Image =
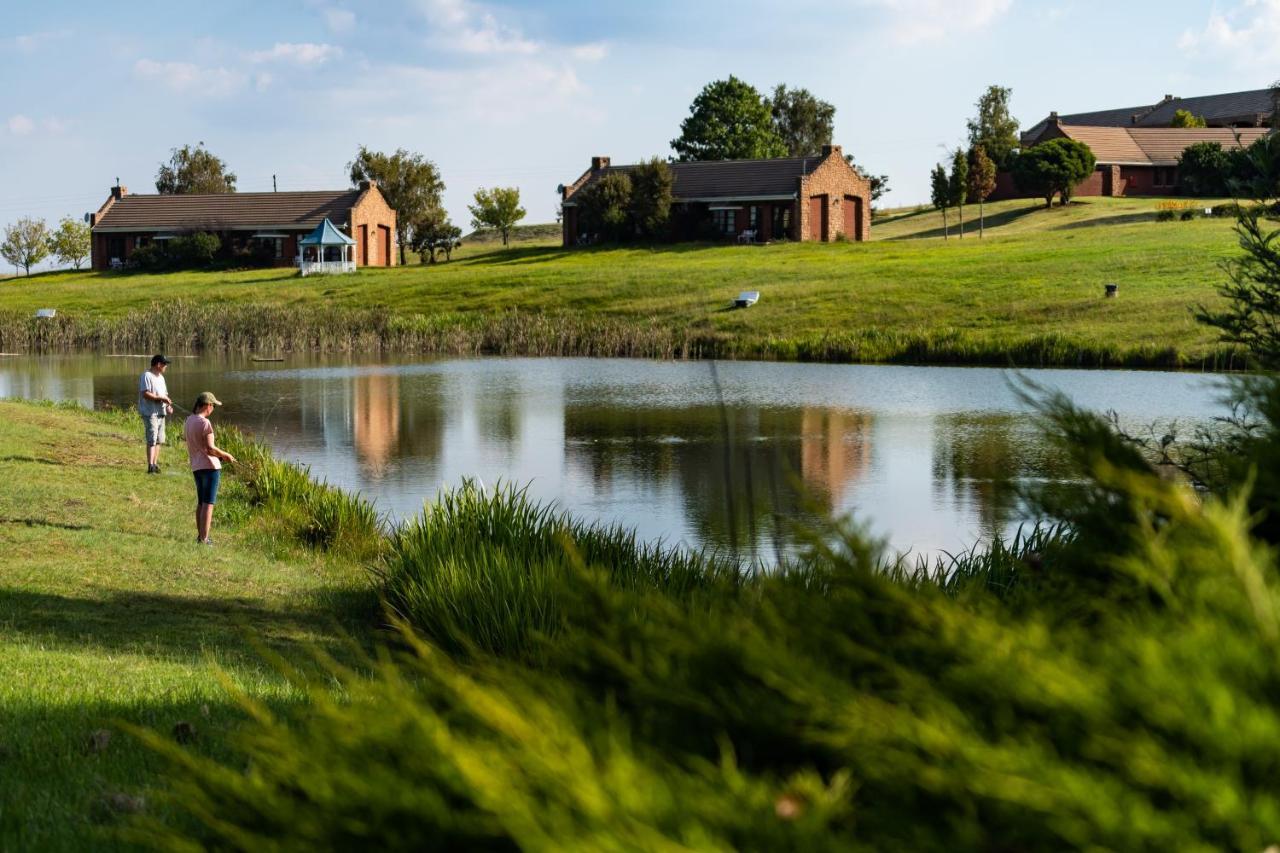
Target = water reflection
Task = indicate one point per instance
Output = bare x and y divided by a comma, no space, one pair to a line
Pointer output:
933,457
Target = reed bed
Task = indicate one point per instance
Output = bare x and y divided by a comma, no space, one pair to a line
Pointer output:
188,326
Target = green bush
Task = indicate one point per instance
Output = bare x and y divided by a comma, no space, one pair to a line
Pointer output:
191,251
1165,216
1187,215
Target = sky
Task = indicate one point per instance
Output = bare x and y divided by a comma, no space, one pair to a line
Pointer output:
524,93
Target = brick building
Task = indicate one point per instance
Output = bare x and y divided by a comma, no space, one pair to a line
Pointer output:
267,224
796,198
1130,160
1253,108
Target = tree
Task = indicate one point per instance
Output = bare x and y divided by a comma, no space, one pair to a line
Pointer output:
802,121
604,206
194,169
26,243
1204,168
993,127
436,234
1186,118
958,185
652,185
1053,168
498,208
410,183
71,242
1252,294
982,181
728,120
879,183
940,194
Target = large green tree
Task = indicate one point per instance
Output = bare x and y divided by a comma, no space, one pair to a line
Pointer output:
728,120
1053,168
982,181
652,187
993,127
801,120
194,169
604,206
70,243
410,183
498,208
26,243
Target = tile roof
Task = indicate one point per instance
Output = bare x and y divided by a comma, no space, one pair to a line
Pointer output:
1219,110
1156,146
713,179
230,210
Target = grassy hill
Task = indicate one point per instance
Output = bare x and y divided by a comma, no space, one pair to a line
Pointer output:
1029,293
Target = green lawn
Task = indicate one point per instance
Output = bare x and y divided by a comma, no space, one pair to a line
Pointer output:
109,613
1030,291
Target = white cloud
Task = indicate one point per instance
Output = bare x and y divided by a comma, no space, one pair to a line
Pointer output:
20,125
340,20
1249,35
188,78
462,26
30,42
593,52
297,53
914,21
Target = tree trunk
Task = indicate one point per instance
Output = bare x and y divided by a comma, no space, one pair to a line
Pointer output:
1048,200
504,237
400,236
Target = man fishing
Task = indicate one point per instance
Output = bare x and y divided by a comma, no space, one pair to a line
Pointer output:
206,462
154,405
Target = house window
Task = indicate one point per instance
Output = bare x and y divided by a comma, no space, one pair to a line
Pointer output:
754,218
725,219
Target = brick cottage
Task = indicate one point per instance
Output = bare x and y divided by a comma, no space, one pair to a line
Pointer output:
795,198
1137,150
269,224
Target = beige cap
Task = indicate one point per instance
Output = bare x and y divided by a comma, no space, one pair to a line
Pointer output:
206,398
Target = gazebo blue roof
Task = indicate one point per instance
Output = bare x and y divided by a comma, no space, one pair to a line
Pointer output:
326,234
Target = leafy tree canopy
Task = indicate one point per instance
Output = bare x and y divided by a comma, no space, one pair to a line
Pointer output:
802,121
982,174
652,185
70,243
26,243
993,127
1053,168
498,208
194,169
604,206
410,183
728,120
1186,118
1203,169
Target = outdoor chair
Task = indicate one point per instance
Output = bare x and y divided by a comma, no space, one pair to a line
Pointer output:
747,236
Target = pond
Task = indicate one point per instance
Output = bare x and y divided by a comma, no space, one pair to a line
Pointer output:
729,454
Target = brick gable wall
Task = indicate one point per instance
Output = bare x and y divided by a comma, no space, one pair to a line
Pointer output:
841,185
373,227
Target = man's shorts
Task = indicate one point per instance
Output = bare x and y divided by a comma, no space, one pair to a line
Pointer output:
207,485
154,427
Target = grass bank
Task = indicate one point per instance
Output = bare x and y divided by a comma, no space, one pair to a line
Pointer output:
1030,293
110,615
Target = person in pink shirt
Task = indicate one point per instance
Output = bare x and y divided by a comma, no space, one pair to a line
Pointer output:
206,462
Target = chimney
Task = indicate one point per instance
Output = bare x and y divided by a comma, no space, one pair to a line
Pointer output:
598,163
828,150
118,192
1168,98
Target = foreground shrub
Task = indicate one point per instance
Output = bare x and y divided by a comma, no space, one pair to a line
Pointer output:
484,570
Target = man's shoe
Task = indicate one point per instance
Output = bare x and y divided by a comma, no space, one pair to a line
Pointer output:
153,469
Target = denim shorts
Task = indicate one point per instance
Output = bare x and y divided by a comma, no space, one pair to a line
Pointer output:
207,485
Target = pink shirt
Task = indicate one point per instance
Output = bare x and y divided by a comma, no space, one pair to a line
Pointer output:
197,430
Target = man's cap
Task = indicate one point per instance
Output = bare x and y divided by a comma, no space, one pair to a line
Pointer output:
158,359
206,398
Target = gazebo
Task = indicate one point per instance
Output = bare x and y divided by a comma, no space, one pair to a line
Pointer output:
330,251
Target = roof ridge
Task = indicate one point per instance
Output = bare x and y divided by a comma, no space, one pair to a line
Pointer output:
238,194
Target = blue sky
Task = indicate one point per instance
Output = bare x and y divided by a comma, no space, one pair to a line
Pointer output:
522,93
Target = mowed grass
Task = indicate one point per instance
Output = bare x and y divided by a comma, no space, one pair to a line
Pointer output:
110,615
1037,276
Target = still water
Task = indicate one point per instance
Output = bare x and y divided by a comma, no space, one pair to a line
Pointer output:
726,455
